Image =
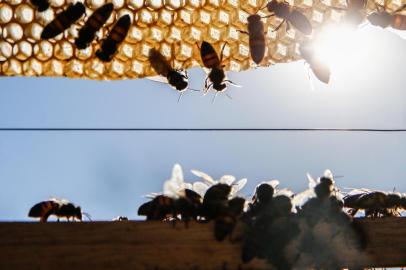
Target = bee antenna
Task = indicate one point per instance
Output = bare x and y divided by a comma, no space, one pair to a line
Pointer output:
214,98
180,96
87,215
192,89
229,96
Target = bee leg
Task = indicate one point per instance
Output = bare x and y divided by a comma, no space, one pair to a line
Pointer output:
222,50
279,26
244,32
287,26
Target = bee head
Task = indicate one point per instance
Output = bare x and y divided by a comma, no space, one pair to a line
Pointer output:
394,199
253,18
78,213
272,5
264,193
220,87
403,202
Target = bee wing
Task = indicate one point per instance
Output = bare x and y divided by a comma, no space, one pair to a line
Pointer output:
200,188
236,187
312,182
152,195
173,186
205,176
227,179
274,183
160,79
328,174
302,197
355,191
284,191
58,200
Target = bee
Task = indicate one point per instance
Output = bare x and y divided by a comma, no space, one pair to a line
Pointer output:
93,24
263,195
225,224
177,79
163,207
59,208
120,218
41,5
290,16
256,37
63,20
215,201
115,37
385,19
320,69
216,75
374,203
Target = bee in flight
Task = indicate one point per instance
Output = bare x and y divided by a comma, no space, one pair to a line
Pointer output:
216,76
63,20
92,25
385,19
115,37
320,69
41,5
58,208
256,37
289,15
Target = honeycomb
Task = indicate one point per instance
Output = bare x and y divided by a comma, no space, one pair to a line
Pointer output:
171,26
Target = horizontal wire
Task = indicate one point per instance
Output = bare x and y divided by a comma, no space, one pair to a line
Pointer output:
208,129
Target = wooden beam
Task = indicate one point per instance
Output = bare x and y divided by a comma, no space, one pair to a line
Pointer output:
156,245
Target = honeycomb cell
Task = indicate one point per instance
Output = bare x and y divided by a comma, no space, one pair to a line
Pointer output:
135,4
57,3
6,50
84,54
146,17
154,4
117,68
193,35
137,68
22,50
94,69
44,17
74,68
134,35
118,3
14,2
213,35
53,68
24,14
6,13
33,32
12,67
63,50
32,67
94,4
43,50
165,17
13,32
185,17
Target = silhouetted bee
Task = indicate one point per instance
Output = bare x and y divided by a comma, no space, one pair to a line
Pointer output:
289,15
215,201
163,207
256,37
93,24
115,37
177,79
374,203
216,75
120,218
41,5
385,19
225,224
320,69
59,208
63,20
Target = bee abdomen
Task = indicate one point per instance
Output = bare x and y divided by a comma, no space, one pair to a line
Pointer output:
63,21
399,22
42,209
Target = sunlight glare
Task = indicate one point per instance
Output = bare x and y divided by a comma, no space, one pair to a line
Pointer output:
341,47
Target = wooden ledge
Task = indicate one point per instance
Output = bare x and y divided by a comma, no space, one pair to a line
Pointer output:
157,245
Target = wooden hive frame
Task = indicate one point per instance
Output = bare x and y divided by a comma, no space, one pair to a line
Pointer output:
157,245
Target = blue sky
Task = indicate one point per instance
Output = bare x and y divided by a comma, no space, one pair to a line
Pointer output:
108,172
